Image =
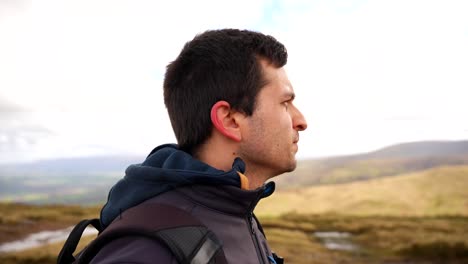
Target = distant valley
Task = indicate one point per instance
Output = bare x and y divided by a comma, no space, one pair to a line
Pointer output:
406,203
63,181
88,180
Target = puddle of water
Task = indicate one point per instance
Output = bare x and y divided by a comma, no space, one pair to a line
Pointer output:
336,240
331,240
41,238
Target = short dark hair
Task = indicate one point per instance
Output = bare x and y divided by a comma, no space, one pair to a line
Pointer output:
216,65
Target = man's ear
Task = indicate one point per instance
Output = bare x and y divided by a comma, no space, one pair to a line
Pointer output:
224,121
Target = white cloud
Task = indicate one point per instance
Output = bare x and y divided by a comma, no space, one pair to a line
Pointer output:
68,52
92,70
359,69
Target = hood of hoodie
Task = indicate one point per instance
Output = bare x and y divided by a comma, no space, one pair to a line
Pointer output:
166,168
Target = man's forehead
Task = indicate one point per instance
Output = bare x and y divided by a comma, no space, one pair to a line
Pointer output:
287,81
282,81
278,84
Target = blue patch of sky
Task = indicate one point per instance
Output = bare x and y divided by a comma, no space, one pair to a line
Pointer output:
276,12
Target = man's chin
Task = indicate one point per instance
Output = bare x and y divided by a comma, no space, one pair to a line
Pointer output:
291,166
285,168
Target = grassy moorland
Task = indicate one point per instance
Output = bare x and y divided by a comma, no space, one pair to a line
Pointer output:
19,220
42,255
433,192
419,217
377,239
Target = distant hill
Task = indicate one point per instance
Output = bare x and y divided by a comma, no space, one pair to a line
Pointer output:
84,180
388,161
87,180
420,150
433,192
72,166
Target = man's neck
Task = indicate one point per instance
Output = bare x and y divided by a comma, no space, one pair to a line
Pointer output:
216,159
223,160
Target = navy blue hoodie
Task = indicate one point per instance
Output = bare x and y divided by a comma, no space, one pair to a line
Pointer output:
165,168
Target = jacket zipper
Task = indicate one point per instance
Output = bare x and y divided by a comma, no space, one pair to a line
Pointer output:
252,231
254,238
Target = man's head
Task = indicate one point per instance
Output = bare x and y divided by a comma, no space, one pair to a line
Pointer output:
216,65
227,93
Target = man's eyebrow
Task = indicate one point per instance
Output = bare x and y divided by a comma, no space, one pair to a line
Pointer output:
289,95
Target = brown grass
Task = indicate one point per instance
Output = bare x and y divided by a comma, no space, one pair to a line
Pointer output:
435,192
19,220
380,239
41,255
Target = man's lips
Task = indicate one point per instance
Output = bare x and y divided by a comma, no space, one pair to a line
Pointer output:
296,139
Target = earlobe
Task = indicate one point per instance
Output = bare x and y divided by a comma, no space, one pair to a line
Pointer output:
223,121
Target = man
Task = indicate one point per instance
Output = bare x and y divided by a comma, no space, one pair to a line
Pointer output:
231,107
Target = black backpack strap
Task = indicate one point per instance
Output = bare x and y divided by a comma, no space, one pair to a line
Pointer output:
66,254
186,237
191,244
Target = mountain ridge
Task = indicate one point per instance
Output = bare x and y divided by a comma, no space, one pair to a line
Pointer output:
120,162
88,180
388,161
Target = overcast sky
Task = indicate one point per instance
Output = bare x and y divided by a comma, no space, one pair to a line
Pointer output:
85,77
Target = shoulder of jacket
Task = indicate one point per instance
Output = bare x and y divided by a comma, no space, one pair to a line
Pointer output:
134,250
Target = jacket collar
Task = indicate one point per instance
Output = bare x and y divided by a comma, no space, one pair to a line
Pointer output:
227,199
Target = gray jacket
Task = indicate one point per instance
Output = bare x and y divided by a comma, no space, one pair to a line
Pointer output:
226,210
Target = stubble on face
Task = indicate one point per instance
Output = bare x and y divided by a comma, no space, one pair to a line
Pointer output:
265,153
268,147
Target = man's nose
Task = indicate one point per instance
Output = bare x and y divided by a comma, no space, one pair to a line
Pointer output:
299,122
